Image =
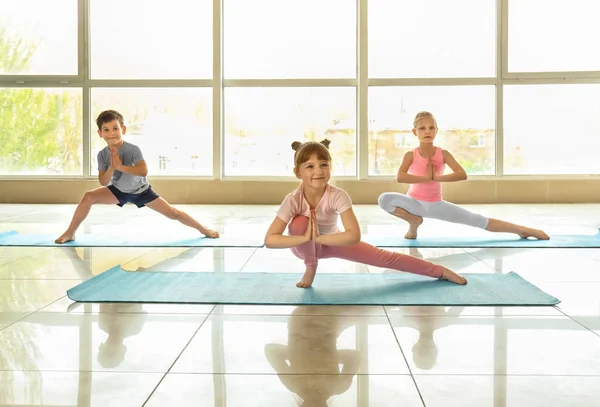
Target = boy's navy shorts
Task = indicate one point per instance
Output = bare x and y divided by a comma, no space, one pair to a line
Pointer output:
138,200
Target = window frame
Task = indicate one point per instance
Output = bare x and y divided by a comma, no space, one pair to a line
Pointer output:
361,82
561,76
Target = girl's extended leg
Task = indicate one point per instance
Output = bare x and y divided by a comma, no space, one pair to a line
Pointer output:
362,252
374,256
524,232
453,213
306,251
405,208
450,212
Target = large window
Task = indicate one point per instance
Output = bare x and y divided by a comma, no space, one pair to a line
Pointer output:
246,78
38,37
551,129
553,35
151,39
465,118
262,123
432,38
172,127
289,39
40,131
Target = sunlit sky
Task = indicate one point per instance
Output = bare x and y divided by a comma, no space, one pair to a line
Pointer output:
554,35
54,23
311,39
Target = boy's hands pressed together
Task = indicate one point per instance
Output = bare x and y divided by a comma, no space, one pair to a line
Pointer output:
115,159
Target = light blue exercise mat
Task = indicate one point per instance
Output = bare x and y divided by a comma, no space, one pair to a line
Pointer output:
493,240
102,240
116,285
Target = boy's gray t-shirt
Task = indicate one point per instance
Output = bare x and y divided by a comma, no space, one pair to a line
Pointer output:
130,155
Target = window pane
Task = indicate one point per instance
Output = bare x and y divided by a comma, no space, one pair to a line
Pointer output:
551,129
172,127
151,39
38,37
282,39
432,38
465,116
553,35
262,123
40,131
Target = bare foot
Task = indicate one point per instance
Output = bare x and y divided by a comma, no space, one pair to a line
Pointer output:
213,234
65,238
307,278
451,276
538,234
414,222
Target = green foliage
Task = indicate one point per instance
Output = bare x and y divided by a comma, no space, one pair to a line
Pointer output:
15,52
40,129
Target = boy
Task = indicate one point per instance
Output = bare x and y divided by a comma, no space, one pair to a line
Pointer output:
122,171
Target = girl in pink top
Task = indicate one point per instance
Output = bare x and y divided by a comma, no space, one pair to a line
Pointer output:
423,168
311,215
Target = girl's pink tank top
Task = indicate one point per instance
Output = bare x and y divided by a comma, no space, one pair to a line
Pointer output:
430,191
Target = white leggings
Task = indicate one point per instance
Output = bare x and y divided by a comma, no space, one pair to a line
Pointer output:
389,201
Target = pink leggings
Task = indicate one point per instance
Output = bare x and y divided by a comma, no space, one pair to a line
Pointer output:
361,252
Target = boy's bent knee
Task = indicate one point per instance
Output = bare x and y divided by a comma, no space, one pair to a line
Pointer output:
89,197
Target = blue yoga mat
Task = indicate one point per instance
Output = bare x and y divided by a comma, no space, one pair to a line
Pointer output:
117,285
556,241
31,239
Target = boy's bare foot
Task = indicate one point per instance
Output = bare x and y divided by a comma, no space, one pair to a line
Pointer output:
307,278
414,222
451,276
213,234
538,234
65,238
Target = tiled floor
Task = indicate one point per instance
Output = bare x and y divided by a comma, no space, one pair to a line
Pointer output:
57,353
